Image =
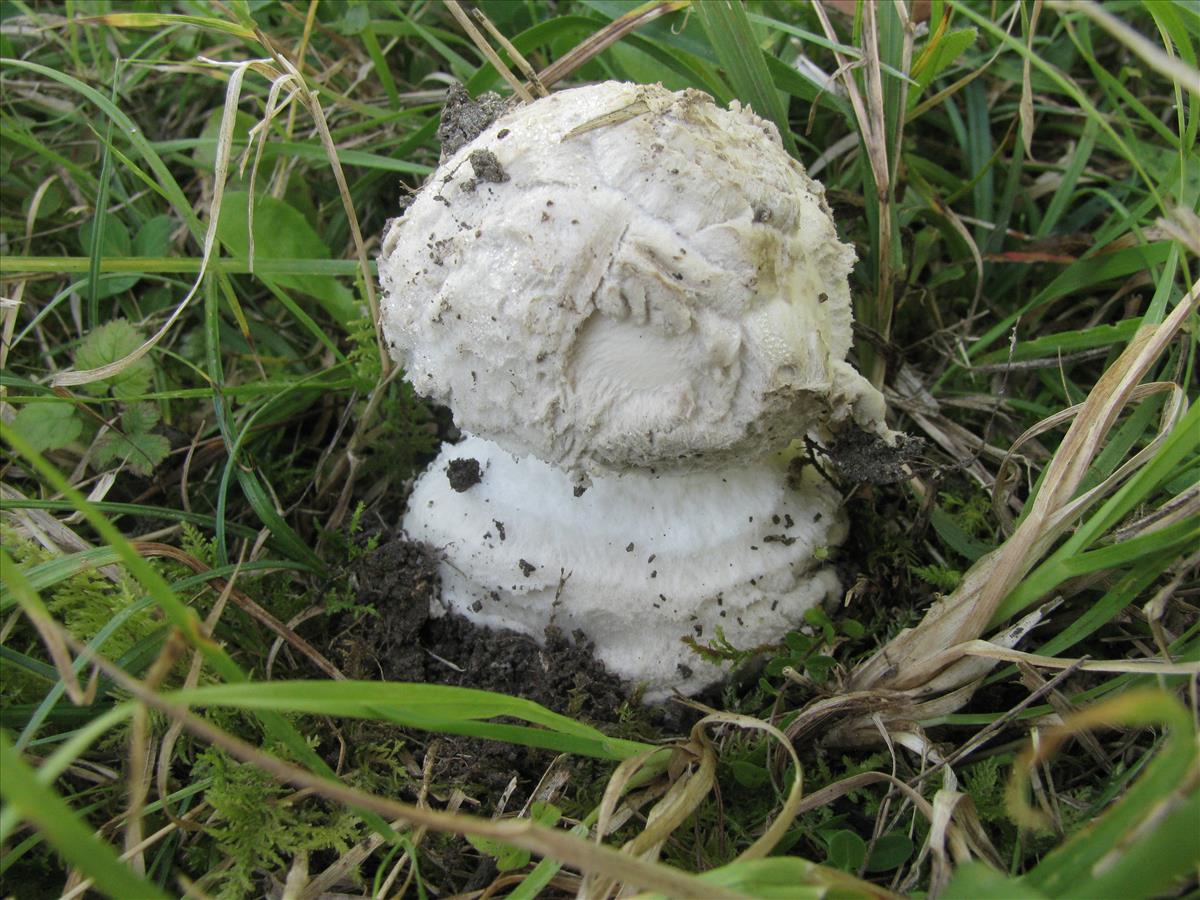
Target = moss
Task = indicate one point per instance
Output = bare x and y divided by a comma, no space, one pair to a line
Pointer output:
258,826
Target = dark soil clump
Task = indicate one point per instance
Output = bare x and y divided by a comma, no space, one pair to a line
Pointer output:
463,474
464,119
400,579
862,458
404,643
487,167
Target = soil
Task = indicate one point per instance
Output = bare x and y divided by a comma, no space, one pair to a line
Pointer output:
464,119
464,474
405,643
862,458
487,167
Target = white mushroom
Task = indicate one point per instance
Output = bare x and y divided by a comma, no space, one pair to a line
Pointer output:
656,283
639,290
636,563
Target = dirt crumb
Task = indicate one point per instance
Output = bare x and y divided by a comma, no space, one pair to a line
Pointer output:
487,167
861,457
464,474
464,119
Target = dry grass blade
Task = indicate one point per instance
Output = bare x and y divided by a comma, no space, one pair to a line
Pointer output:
883,155
247,605
12,305
318,113
597,43
514,54
988,650
1172,411
791,806
618,782
682,798
1026,104
916,655
686,793
258,138
486,49
1184,226
1144,706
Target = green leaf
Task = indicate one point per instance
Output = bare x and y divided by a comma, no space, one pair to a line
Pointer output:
732,39
891,851
1106,335
1146,841
431,707
282,232
355,21
846,850
64,829
108,343
114,242
977,881
154,237
798,643
787,878
937,57
818,668
139,418
137,447
545,813
48,426
747,774
508,858
953,535
818,618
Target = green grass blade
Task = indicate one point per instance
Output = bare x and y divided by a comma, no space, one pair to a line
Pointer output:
62,827
16,266
184,618
1145,815
79,664
431,707
130,130
732,38
49,573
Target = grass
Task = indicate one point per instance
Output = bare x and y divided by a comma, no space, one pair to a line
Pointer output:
201,441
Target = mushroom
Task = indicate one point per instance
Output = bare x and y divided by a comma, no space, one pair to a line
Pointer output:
632,300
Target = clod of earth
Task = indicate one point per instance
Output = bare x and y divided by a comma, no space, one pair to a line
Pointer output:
463,474
652,303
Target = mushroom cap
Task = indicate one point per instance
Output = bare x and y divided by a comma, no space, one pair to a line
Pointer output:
655,283
637,563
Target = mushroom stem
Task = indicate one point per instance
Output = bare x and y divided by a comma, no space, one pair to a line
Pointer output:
638,563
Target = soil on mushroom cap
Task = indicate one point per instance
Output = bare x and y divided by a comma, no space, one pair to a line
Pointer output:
404,643
464,473
464,119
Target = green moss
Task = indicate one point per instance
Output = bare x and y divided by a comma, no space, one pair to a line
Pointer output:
258,826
